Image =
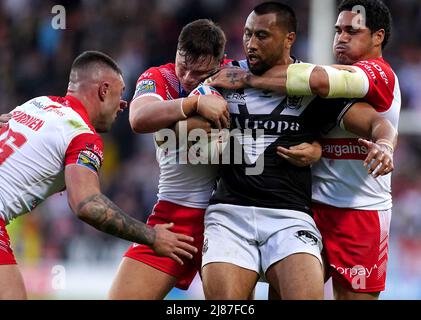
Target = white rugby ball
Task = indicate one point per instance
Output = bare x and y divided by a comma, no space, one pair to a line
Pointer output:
207,150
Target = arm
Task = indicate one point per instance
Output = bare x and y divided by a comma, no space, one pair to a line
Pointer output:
150,114
361,119
299,79
4,119
94,208
301,155
193,122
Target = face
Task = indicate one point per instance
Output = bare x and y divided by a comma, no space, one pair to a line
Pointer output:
354,42
191,74
265,42
112,102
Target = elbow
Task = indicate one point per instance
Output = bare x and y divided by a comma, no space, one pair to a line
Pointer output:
138,123
319,82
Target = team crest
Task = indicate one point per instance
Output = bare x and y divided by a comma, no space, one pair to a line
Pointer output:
294,102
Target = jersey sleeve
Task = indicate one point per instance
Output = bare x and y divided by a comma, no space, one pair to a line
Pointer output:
151,83
86,150
381,83
328,113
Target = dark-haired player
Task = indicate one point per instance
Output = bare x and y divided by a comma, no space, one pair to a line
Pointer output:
51,143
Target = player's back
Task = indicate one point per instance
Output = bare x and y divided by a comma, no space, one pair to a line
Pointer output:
32,152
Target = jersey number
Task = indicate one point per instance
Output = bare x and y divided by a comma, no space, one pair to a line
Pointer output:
13,139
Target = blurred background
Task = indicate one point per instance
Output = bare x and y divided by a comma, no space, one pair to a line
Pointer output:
63,258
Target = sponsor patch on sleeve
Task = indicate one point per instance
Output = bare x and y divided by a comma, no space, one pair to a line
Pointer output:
144,86
89,159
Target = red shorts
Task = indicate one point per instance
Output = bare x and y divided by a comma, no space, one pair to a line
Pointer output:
355,246
188,221
6,252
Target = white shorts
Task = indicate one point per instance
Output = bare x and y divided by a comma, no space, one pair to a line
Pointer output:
255,238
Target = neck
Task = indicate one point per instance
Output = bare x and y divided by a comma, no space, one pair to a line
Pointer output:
373,54
285,60
86,102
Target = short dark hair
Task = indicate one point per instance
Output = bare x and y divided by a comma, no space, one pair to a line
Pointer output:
378,15
285,14
88,58
201,38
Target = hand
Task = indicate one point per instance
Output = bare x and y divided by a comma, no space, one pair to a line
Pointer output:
214,109
198,122
172,245
229,78
4,119
301,155
379,160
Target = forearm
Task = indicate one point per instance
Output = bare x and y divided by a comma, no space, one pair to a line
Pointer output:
304,79
101,213
153,116
283,78
382,130
265,82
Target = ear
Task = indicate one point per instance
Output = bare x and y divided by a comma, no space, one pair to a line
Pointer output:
290,39
378,37
103,90
221,62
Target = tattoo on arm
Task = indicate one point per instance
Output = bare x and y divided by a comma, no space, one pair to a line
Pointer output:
101,213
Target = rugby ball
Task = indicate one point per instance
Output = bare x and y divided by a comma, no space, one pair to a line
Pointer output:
207,149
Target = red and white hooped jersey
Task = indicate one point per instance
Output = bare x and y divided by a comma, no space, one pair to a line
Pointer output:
180,182
339,178
44,135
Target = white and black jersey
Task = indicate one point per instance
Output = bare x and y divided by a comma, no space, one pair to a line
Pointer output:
260,121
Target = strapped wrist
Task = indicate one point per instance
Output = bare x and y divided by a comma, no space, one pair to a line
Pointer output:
386,143
197,103
183,114
298,79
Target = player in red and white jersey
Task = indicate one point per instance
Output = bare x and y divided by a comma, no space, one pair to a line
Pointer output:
160,101
352,204
352,207
51,143
353,212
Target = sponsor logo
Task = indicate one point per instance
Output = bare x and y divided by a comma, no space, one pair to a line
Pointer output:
369,65
205,246
359,274
145,86
345,149
235,97
89,159
53,108
274,126
307,237
95,149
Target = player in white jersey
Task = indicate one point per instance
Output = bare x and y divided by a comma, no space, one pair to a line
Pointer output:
51,143
352,208
243,242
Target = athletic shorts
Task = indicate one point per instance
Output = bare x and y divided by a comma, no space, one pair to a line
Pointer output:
255,238
6,252
355,246
188,221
